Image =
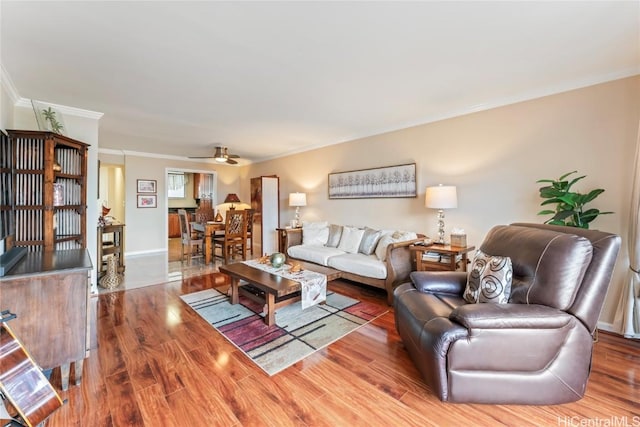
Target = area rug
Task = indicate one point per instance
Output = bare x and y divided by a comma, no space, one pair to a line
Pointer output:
296,334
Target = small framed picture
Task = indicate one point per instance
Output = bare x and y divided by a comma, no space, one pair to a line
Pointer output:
147,201
147,186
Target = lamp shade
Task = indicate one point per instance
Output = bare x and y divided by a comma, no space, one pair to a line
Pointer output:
441,197
297,199
232,198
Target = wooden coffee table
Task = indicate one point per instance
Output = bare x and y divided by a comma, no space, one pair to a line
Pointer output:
274,291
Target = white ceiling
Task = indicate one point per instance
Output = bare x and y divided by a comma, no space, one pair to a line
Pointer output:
272,78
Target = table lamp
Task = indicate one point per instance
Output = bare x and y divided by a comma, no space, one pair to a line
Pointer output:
232,198
441,197
297,200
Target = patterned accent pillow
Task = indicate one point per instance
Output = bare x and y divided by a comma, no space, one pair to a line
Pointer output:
489,280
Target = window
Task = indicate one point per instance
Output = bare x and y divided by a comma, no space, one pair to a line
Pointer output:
175,188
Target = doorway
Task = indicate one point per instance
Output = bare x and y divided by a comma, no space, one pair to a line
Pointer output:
185,189
111,190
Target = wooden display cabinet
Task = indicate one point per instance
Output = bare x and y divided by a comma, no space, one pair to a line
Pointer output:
43,204
47,199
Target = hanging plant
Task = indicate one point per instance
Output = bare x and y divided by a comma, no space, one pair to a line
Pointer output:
569,205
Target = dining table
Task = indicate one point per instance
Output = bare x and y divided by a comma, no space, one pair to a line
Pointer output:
208,228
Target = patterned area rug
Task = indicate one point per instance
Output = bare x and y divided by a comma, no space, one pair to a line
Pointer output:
296,334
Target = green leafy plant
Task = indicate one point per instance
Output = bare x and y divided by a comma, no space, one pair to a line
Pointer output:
50,115
570,206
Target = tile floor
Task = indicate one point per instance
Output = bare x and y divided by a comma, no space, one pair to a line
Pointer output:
160,267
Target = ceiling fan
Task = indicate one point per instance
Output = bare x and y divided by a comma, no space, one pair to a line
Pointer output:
221,155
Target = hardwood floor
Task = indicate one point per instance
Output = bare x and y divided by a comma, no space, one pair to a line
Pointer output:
155,362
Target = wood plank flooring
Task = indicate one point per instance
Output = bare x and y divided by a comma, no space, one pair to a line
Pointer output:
155,362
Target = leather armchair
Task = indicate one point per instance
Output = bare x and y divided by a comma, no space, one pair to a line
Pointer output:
537,348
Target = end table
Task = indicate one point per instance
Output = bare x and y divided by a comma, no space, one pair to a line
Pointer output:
446,251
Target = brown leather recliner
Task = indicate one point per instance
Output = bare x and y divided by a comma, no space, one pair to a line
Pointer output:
536,349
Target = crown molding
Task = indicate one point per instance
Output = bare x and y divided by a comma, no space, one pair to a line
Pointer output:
64,109
7,83
19,101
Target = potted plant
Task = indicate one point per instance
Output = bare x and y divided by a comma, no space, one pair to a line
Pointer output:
570,206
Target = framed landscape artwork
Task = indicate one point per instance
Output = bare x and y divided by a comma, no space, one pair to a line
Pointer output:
390,181
147,185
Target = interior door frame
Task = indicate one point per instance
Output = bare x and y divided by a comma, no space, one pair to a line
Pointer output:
166,196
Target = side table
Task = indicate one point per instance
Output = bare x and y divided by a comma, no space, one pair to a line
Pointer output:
440,251
113,245
284,235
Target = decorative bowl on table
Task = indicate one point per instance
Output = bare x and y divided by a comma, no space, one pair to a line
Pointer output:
277,259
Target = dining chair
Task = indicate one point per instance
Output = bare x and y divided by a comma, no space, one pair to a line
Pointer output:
250,213
235,235
188,238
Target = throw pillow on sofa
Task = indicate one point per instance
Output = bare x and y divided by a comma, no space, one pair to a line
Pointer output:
315,233
350,239
392,237
489,280
335,232
369,241
381,248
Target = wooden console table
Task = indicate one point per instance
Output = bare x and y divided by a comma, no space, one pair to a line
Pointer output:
49,293
114,246
453,252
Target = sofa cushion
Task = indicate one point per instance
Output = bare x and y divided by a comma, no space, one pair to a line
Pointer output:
350,239
335,232
318,224
315,233
363,265
403,236
317,254
369,241
381,247
489,279
392,237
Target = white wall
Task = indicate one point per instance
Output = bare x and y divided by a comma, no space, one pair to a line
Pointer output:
494,157
6,107
146,228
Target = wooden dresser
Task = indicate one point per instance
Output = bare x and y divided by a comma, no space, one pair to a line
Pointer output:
49,293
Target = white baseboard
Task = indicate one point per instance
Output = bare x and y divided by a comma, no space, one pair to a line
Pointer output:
605,326
147,252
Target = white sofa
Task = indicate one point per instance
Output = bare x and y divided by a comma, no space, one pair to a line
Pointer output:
379,258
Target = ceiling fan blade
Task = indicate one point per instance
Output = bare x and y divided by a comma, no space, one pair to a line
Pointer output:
200,157
233,156
232,162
